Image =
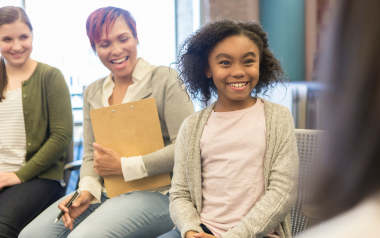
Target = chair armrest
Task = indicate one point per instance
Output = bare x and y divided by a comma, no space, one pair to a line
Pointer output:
313,211
73,165
314,215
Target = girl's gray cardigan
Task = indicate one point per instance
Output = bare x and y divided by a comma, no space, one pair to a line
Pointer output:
280,173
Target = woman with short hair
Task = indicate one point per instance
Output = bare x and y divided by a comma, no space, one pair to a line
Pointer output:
113,36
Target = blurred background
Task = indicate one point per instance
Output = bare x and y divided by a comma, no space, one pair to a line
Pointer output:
295,29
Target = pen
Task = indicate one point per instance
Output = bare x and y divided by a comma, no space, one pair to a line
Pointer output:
75,196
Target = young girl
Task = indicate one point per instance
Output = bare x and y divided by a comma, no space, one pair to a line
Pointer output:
236,161
35,126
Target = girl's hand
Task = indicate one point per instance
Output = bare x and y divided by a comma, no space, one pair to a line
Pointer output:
193,234
106,161
77,208
8,179
203,235
190,234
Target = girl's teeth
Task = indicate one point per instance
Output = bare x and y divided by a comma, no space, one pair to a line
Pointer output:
237,85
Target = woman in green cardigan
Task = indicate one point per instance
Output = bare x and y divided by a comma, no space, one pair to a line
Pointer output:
35,126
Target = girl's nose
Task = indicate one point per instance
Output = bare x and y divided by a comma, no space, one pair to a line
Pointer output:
238,72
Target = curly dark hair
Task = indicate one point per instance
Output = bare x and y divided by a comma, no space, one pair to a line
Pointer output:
193,56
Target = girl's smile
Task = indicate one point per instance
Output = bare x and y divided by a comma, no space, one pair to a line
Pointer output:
238,86
234,65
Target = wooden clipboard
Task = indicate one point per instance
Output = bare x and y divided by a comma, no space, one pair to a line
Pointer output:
131,129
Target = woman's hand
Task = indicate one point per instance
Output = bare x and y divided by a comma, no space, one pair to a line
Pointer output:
8,179
106,161
77,208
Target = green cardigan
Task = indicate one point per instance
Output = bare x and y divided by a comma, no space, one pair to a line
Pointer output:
48,123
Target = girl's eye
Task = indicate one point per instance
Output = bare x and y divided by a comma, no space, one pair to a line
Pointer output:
6,39
224,62
124,40
24,37
104,45
249,61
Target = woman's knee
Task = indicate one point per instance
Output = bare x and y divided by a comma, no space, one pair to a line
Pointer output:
154,228
42,225
6,230
172,234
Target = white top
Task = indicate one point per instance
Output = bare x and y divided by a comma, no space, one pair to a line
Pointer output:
232,156
361,221
132,167
12,131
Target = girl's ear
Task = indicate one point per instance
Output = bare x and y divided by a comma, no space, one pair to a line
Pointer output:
208,72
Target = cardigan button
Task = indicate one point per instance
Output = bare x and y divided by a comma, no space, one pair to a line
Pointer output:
24,96
26,112
29,144
23,83
27,129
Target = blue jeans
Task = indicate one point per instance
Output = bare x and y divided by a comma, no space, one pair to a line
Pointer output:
172,234
136,214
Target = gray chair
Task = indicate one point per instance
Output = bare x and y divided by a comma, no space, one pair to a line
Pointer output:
307,143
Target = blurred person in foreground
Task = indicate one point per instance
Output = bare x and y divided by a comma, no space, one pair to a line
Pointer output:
348,185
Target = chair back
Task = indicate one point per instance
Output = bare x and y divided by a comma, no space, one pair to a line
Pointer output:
69,159
307,143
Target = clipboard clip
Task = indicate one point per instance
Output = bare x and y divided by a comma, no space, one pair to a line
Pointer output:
113,111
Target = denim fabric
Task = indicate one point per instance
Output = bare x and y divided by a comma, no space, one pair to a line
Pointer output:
136,214
21,203
172,234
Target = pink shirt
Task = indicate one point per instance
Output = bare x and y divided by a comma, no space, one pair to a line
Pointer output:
232,151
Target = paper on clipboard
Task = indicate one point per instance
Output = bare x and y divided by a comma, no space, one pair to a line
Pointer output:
131,129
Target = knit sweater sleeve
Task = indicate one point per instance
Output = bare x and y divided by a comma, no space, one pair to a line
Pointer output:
182,209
